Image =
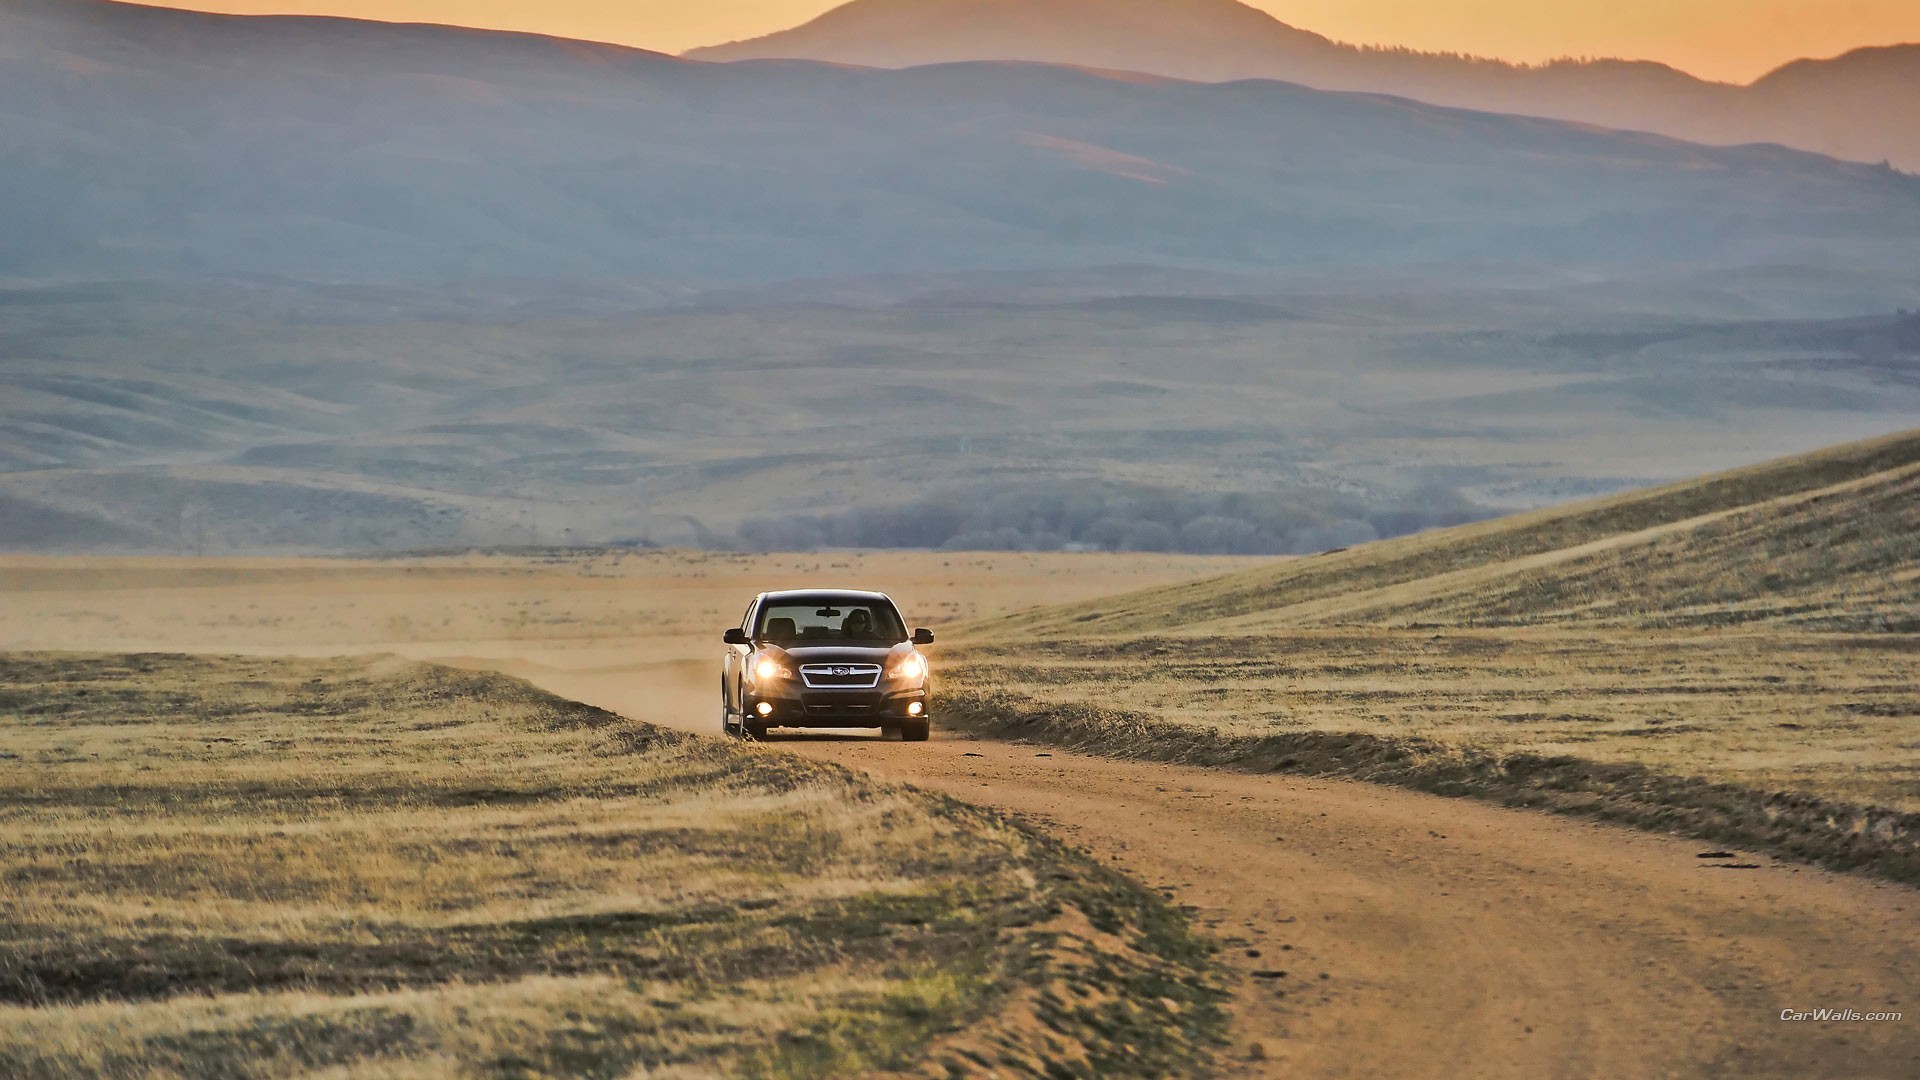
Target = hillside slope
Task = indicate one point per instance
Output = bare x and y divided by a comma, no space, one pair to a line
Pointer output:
144,142
1857,106
1132,411
1735,658
1829,540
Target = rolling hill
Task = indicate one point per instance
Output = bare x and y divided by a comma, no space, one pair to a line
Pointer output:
1126,410
1732,658
1860,106
148,142
1829,540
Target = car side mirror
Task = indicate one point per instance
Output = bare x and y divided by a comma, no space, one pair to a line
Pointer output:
922,636
737,636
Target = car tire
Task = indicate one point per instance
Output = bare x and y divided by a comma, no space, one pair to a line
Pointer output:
890,731
916,730
756,729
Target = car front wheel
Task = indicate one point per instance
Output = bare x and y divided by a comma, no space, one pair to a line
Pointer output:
915,730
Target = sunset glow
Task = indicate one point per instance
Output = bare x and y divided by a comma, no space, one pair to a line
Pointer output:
1731,40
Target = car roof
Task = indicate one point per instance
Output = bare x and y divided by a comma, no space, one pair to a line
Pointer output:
812,596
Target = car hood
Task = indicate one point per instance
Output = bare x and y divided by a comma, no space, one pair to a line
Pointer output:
844,654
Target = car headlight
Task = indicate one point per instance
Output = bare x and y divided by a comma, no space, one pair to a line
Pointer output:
767,669
911,666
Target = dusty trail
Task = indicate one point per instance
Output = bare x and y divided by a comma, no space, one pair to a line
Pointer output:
1422,936
1447,929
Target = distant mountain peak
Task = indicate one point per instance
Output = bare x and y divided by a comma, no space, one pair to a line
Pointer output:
1207,39
1831,107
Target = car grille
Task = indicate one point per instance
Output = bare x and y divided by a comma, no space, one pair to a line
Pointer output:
851,709
840,676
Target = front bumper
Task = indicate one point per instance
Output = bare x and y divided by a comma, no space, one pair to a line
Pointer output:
803,707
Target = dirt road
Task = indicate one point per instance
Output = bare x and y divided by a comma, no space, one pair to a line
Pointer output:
1379,932
1458,940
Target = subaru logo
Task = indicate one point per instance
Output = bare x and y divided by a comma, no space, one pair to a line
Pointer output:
842,671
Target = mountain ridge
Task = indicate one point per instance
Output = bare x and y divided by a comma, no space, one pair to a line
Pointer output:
1810,104
154,141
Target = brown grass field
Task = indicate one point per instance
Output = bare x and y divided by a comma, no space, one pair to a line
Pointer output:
267,867
1737,655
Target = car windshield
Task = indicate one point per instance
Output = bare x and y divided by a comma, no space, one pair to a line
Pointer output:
823,619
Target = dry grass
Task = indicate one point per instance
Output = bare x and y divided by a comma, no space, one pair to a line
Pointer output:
1758,629
1827,714
1829,539
254,867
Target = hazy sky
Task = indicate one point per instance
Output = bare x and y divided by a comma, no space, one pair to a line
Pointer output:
1734,40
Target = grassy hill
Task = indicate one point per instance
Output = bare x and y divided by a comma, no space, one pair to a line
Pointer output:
1735,657
270,867
1829,540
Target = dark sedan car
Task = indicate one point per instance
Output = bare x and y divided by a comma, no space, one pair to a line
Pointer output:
828,658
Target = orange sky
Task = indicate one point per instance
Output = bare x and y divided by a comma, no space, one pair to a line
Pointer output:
1734,40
